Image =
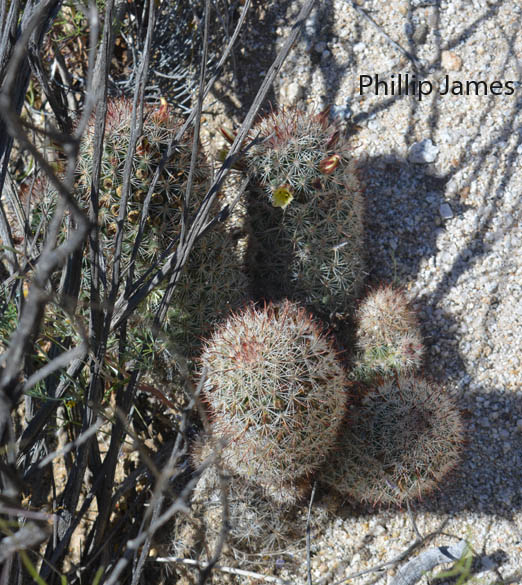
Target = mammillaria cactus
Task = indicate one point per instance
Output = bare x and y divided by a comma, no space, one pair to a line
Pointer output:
310,250
276,392
166,203
213,279
388,335
255,521
399,443
300,153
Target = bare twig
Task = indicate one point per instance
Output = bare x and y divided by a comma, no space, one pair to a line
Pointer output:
70,446
381,566
427,560
412,520
197,125
57,363
26,537
52,256
223,569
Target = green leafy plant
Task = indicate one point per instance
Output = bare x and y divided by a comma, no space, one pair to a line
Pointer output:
461,569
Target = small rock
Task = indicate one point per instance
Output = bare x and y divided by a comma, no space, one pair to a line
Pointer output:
487,563
445,211
325,55
519,425
343,112
358,47
451,61
420,33
445,136
292,92
320,47
423,152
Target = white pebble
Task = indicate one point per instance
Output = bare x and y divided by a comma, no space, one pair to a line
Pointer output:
423,152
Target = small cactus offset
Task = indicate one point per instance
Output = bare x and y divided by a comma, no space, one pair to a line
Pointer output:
316,241
276,392
399,443
388,336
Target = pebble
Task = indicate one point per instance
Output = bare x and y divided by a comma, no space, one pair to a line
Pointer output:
292,92
326,54
423,152
451,61
445,211
420,34
487,563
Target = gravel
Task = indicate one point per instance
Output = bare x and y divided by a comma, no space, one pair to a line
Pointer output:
443,192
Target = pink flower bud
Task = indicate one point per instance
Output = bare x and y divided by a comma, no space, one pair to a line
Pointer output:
328,165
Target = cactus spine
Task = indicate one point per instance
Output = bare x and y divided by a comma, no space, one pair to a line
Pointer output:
388,336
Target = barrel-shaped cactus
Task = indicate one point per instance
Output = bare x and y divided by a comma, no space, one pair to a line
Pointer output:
398,444
297,155
311,248
276,392
166,203
388,336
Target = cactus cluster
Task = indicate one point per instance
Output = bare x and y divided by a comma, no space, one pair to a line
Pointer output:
274,386
311,248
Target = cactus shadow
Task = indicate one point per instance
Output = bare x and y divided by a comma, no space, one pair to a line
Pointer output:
488,479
